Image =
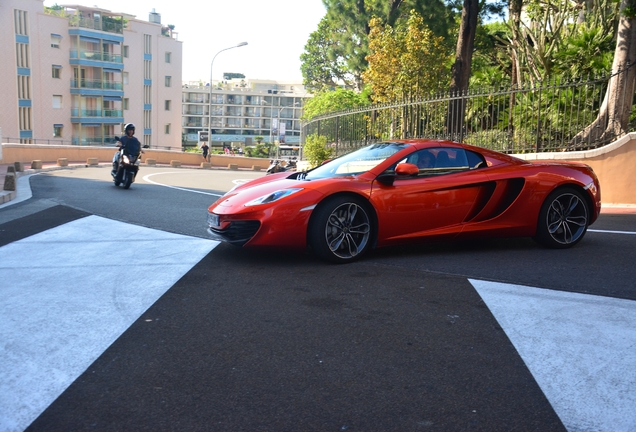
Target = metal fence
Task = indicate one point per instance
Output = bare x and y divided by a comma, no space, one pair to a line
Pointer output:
546,117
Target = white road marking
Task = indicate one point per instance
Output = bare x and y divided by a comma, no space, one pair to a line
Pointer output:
147,178
68,293
612,232
581,349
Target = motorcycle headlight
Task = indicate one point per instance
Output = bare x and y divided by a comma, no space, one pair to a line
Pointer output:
274,196
126,159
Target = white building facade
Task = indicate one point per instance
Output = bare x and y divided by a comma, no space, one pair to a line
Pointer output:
238,111
76,75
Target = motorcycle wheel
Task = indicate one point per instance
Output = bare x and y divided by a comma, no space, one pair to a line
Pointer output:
128,180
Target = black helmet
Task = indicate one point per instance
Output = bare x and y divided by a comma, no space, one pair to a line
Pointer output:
129,126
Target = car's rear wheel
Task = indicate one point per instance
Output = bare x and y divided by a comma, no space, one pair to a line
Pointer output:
563,219
341,229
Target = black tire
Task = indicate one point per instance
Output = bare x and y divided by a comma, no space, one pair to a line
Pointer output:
563,220
341,229
128,180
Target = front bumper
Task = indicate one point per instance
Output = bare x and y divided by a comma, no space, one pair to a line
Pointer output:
236,232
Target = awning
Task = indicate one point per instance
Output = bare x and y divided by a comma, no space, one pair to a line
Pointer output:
58,125
112,70
91,124
57,67
56,35
112,98
89,39
112,42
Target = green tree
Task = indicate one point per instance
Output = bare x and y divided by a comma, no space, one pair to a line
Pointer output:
331,101
345,47
396,59
316,150
323,64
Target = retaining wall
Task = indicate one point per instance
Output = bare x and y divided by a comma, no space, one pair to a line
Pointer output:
51,153
614,164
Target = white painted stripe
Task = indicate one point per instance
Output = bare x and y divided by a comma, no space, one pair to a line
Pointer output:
147,178
612,232
581,349
67,294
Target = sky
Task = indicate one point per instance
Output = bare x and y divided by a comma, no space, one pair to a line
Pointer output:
276,32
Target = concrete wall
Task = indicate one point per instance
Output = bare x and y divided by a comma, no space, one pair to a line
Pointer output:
614,164
79,154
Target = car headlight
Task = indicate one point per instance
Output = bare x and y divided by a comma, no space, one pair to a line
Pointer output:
274,196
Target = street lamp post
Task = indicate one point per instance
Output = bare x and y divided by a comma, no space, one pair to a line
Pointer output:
210,95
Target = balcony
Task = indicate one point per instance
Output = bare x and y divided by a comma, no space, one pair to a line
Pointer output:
92,140
96,56
96,84
94,113
105,24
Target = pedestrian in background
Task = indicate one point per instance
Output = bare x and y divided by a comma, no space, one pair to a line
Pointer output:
205,150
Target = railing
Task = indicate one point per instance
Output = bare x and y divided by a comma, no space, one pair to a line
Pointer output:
96,84
548,117
95,140
76,112
96,55
109,25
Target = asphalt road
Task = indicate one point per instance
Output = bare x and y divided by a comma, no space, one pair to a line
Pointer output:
484,335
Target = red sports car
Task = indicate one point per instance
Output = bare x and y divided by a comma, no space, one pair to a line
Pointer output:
409,191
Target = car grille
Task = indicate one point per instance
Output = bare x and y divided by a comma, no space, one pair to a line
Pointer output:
238,232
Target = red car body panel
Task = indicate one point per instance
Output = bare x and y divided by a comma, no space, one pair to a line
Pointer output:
503,198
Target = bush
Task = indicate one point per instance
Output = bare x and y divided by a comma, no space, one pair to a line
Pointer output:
316,150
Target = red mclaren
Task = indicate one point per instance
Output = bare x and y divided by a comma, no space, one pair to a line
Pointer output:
409,191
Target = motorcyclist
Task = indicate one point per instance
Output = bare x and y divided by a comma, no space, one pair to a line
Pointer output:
129,143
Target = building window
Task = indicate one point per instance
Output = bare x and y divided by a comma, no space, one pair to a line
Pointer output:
168,57
167,105
147,44
124,51
167,129
57,101
56,71
22,55
20,19
168,81
147,69
125,78
57,131
56,39
124,104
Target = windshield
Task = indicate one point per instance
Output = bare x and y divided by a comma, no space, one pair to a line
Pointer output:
357,162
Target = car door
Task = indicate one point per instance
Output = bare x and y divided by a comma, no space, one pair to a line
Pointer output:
434,203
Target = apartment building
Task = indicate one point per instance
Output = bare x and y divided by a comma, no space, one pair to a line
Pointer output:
237,111
76,75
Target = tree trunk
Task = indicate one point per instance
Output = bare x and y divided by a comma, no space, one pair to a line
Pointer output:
613,117
515,8
461,69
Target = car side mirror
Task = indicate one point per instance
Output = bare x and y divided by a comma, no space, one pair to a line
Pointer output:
407,169
403,169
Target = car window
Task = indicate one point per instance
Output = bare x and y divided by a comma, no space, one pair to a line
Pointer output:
444,160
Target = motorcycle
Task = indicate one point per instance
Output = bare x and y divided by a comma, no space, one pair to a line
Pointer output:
275,167
127,168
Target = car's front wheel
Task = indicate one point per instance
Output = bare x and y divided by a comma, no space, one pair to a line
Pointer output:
563,219
341,229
